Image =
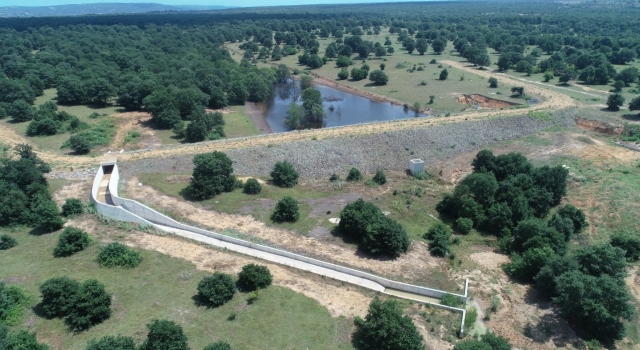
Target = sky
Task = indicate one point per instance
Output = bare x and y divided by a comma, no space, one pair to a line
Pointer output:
189,2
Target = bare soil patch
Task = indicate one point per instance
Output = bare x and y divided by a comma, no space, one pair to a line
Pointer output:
490,260
484,101
256,112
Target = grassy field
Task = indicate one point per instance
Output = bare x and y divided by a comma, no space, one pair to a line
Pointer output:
408,200
404,85
53,143
280,319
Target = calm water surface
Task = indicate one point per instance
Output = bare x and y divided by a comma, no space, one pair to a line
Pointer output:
341,108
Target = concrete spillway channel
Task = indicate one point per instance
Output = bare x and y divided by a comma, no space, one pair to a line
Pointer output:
104,195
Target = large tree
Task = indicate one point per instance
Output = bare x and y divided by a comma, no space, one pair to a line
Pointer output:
385,327
211,176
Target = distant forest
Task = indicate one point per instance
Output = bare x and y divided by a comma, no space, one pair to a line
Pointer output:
173,65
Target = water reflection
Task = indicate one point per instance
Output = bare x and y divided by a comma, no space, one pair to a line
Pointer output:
342,108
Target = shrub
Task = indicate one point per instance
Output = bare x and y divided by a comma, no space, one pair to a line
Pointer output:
526,266
91,306
334,177
58,296
253,277
450,300
437,229
464,225
71,241
444,74
380,178
439,245
218,346
470,319
379,77
217,289
343,74
118,255
163,335
211,175
286,210
627,242
7,242
112,343
576,215
46,214
385,327
80,144
614,102
284,175
23,340
72,207
252,186
493,82
354,175
13,301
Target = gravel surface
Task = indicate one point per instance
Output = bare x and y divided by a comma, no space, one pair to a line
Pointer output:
387,151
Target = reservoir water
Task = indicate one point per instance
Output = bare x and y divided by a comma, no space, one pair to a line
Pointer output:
341,108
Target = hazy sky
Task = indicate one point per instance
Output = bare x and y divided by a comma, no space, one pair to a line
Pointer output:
190,2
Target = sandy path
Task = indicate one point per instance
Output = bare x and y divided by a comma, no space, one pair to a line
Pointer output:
257,115
411,266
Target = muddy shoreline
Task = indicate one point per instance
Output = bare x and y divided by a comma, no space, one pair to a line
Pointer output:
255,112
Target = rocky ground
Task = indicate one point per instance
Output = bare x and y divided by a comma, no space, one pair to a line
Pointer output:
390,150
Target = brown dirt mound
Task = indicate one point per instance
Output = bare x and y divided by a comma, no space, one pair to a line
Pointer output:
600,127
484,101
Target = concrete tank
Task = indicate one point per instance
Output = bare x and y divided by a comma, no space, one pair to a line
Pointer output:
416,166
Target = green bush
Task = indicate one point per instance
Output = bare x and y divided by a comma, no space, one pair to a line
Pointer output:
72,207
217,289
385,327
211,176
7,242
287,210
626,241
254,277
58,296
450,300
71,241
493,82
163,335
13,302
437,229
91,306
218,346
464,225
23,340
334,178
439,245
118,255
252,186
112,343
80,144
380,178
470,319
284,175
354,175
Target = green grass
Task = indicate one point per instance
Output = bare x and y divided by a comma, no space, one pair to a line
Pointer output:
261,206
239,124
279,319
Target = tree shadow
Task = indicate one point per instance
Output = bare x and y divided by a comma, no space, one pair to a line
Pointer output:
551,327
606,109
39,231
37,310
199,301
631,117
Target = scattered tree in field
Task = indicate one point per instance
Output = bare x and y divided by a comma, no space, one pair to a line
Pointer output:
218,346
363,223
617,86
382,66
284,175
252,186
354,175
91,306
548,75
118,255
438,46
431,99
464,225
164,334
287,210
444,74
7,242
517,91
628,75
71,241
343,62
112,343
79,144
306,81
493,82
58,296
634,105
614,102
254,277
421,46
211,176
343,74
217,289
359,74
72,207
385,327
380,178
378,77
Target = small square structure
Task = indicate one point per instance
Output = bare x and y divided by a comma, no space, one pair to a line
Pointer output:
416,166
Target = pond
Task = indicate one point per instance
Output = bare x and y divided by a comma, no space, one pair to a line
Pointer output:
341,108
